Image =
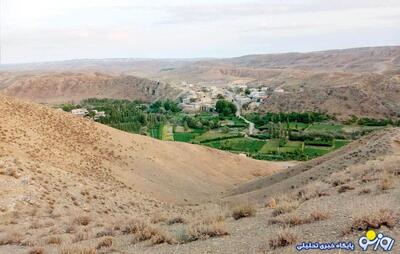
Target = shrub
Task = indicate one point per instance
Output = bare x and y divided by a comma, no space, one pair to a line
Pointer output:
53,240
283,238
364,191
201,231
285,206
345,188
319,215
36,250
314,190
105,243
82,220
271,203
77,250
144,232
245,210
176,220
292,220
386,182
105,232
374,220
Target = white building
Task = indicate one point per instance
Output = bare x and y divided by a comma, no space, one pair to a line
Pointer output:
82,112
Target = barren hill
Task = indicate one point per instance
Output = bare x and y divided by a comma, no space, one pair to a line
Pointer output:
368,59
60,87
58,171
70,185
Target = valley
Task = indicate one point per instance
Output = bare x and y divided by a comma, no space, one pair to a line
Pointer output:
276,137
256,154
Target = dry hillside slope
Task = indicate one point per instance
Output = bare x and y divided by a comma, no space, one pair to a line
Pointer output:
69,185
168,170
61,87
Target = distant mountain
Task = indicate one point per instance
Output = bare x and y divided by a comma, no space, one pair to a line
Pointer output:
360,81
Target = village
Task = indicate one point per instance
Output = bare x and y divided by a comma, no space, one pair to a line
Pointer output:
196,99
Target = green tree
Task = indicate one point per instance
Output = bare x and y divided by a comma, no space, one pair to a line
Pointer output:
225,108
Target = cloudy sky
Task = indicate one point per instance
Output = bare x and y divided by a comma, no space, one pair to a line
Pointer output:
46,30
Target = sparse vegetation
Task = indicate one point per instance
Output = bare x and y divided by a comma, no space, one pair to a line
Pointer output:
200,231
105,243
244,210
284,237
176,220
285,206
77,250
386,181
82,220
345,188
142,232
54,240
295,219
373,219
36,250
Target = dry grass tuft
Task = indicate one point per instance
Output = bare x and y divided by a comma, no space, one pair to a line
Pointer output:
345,188
365,191
36,250
271,203
313,190
386,182
292,220
201,231
82,220
318,215
285,206
105,232
143,232
283,238
242,211
374,220
77,250
133,226
176,220
53,240
105,243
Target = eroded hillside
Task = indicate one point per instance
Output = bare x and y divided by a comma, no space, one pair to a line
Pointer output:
61,87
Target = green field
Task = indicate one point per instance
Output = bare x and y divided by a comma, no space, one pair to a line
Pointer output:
339,143
156,132
325,127
167,134
215,135
272,146
248,145
278,136
298,126
315,151
185,136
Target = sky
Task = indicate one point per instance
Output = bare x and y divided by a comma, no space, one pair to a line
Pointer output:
51,30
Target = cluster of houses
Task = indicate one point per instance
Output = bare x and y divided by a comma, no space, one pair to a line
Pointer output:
83,112
197,99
